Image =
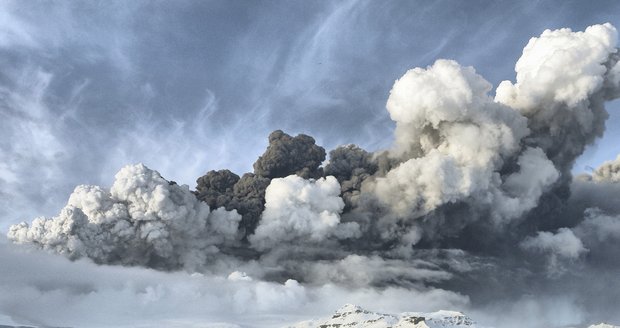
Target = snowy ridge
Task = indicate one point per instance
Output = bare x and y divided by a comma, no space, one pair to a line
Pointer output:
354,316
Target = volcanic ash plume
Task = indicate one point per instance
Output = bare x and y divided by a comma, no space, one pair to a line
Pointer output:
284,156
288,155
474,188
299,211
142,220
454,140
563,80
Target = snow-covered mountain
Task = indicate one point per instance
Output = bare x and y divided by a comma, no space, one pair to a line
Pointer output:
353,316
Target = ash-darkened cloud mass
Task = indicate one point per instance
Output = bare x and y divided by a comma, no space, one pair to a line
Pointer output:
475,188
260,180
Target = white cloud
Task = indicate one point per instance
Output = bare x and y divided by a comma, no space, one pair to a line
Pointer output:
142,220
300,211
43,289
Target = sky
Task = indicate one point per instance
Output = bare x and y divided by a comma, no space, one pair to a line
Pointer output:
87,87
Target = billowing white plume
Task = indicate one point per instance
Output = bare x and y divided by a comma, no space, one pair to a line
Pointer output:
563,78
457,140
608,172
301,211
455,143
143,219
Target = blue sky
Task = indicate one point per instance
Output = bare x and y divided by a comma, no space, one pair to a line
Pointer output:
189,86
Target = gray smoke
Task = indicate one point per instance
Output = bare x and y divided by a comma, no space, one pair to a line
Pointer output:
284,156
225,189
288,155
216,188
350,165
475,196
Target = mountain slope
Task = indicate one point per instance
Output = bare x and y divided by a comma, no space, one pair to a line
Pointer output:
354,316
